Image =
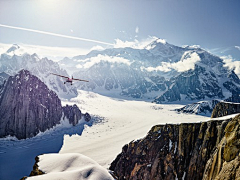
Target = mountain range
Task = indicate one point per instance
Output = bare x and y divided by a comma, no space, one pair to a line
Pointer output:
28,107
15,59
160,72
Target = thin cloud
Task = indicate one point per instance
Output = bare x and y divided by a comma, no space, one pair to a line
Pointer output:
136,44
87,63
237,47
55,34
53,53
230,64
137,30
98,48
180,66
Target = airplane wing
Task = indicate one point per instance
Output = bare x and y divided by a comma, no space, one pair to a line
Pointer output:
59,75
80,80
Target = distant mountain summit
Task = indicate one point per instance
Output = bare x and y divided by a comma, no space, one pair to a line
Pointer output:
160,72
13,48
28,107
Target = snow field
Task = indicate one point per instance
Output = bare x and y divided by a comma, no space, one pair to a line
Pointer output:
123,121
116,122
72,166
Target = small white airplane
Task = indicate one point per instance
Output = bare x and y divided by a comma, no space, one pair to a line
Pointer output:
70,80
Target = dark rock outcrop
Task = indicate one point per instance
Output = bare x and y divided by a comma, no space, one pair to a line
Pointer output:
225,108
36,171
87,117
170,152
27,106
73,113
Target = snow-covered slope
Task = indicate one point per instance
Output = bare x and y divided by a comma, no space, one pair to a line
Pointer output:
16,59
122,122
209,79
72,166
160,71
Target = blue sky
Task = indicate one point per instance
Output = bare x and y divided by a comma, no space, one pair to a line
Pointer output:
208,23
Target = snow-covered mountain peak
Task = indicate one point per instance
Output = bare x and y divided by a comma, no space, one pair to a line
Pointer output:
237,47
35,57
13,48
162,70
160,47
157,43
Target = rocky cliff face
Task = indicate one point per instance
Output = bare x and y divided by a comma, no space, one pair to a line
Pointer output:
73,113
170,152
27,106
225,108
224,162
207,150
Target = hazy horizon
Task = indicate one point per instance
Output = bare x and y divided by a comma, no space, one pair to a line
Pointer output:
210,24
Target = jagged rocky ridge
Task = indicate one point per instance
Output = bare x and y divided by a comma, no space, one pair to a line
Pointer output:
216,107
207,150
225,108
27,107
3,77
202,107
15,59
207,107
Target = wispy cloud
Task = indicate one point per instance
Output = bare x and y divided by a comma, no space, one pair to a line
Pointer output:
180,66
137,30
231,64
87,63
98,48
53,53
237,47
55,34
136,44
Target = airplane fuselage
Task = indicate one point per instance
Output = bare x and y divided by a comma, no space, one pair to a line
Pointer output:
69,80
